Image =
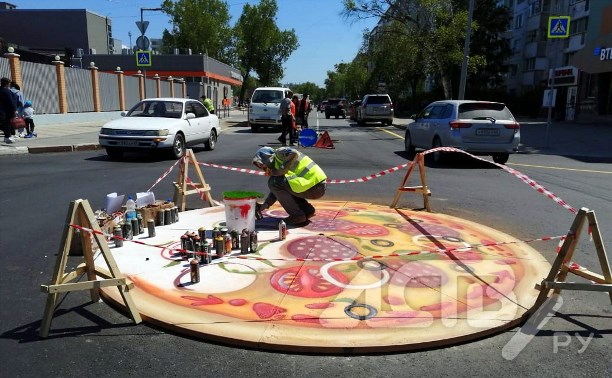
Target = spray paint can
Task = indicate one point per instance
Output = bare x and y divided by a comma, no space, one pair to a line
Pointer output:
140,223
253,242
202,233
160,217
127,230
244,242
282,230
194,271
167,217
151,227
118,234
184,239
235,240
220,246
206,257
197,247
135,227
176,213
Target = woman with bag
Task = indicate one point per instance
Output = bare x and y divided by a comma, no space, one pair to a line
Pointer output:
8,110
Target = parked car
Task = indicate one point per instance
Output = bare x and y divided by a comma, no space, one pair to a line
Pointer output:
336,107
322,106
167,124
375,108
478,127
354,109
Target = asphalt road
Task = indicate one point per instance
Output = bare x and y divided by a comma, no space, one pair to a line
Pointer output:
93,339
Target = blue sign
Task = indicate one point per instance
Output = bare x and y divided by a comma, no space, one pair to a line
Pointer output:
558,26
143,58
308,137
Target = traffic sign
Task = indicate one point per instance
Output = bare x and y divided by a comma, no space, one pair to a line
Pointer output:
143,58
558,26
142,26
143,43
308,137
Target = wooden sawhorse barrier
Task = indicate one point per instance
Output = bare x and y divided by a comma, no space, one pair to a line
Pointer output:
419,161
561,266
81,214
184,186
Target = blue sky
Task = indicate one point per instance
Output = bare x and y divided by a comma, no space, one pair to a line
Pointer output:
325,37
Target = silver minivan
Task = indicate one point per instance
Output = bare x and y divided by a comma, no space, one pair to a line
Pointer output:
478,127
375,108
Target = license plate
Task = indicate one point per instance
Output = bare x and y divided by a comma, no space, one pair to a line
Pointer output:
127,143
487,132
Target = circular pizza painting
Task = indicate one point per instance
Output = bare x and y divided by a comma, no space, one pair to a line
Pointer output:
358,278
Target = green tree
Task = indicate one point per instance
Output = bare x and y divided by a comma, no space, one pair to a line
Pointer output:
201,25
437,27
260,46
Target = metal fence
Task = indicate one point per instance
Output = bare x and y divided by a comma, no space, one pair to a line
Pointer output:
80,96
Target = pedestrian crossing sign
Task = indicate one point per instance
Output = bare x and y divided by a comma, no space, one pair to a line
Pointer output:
558,26
143,58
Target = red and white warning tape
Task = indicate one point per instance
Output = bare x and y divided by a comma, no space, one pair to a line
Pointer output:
163,176
514,172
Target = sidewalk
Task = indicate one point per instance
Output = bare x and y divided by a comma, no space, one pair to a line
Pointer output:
79,131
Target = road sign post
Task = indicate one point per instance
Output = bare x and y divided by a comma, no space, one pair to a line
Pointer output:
558,27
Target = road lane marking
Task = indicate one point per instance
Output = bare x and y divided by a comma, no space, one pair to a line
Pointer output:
560,168
530,165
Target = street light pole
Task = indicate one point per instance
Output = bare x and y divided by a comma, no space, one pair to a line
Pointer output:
466,52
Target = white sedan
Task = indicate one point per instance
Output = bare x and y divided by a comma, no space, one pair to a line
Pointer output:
168,124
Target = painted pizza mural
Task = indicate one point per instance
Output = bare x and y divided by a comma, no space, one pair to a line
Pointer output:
358,277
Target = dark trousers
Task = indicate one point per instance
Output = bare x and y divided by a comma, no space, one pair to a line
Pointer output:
288,130
29,125
6,126
295,204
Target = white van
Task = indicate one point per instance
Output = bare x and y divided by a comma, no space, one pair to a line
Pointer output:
264,108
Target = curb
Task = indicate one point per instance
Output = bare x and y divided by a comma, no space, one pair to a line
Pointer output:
69,148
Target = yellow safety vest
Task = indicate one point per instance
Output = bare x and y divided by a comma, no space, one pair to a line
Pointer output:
305,175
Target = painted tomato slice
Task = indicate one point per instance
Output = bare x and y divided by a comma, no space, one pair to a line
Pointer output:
367,230
321,247
306,281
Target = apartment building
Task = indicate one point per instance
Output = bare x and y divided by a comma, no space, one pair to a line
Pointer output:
579,67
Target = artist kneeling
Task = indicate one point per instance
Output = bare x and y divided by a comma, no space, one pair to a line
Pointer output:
294,178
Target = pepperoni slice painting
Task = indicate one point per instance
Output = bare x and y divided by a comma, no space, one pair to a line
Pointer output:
359,278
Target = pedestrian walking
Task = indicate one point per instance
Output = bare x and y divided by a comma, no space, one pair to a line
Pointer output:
294,179
287,118
18,95
28,116
304,110
8,110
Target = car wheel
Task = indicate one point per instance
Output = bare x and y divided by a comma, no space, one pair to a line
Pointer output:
210,144
501,158
178,146
327,116
362,122
254,128
114,153
437,157
409,148
337,116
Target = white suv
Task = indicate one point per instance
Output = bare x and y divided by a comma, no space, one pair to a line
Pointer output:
375,108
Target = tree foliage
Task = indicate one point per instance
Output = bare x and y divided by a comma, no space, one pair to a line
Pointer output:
200,25
261,47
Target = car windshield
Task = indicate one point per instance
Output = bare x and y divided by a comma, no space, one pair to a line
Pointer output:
157,108
379,100
273,96
474,110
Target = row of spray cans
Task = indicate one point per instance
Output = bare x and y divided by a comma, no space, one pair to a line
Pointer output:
199,251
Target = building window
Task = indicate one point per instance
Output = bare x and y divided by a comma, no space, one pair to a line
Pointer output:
579,25
535,7
518,21
531,36
513,69
529,64
516,46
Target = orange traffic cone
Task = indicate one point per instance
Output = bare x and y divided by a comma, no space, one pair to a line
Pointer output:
324,141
